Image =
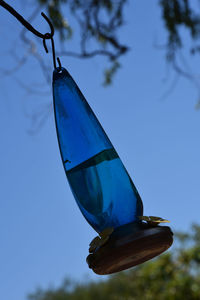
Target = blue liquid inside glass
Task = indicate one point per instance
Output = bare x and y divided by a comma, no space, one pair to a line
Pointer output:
98,179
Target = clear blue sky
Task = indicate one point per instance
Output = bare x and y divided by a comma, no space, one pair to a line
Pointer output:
43,236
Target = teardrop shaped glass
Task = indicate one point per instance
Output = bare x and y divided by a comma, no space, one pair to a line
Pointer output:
98,179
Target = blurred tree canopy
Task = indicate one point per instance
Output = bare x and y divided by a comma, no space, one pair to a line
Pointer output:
174,275
99,23
178,15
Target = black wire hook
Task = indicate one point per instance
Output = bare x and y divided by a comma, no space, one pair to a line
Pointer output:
46,36
50,36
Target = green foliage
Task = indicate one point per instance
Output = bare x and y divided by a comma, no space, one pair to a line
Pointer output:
176,15
174,275
109,73
98,22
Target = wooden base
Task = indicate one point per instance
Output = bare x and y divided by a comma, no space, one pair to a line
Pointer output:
129,246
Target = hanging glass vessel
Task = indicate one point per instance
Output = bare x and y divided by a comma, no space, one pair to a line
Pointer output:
98,179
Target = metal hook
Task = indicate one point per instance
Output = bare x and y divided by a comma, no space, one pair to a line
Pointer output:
53,52
50,36
46,36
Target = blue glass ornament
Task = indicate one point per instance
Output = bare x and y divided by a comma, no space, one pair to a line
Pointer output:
98,179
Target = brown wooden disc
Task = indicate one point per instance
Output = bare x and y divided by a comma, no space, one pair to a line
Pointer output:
129,246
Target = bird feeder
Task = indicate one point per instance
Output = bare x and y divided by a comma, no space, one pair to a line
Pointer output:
102,188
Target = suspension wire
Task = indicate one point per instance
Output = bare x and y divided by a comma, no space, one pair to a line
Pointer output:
28,26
